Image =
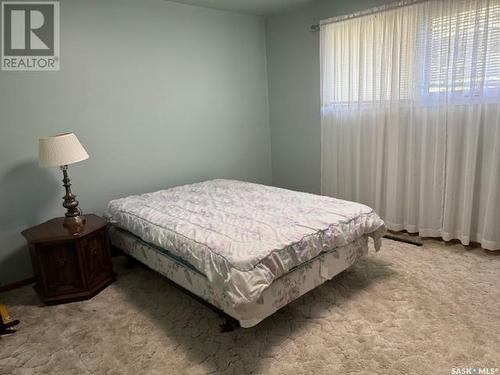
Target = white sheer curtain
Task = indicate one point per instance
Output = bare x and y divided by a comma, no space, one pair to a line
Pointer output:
411,116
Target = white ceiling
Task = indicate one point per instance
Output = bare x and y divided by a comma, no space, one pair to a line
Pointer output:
257,7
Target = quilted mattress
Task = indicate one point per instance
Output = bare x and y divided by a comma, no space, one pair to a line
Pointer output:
242,236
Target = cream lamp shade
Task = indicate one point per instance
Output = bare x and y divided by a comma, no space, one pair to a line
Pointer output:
59,150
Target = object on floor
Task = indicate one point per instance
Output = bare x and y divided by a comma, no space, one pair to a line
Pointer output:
60,151
406,239
6,323
70,266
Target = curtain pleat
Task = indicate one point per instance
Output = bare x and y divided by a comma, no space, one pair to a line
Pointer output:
411,117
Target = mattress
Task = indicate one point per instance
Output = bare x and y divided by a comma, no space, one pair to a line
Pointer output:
281,292
243,236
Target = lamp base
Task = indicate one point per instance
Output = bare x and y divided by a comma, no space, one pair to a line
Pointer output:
74,222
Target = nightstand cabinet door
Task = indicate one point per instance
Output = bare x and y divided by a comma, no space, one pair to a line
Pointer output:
60,269
97,258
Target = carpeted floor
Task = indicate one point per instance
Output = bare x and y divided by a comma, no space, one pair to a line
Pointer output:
405,310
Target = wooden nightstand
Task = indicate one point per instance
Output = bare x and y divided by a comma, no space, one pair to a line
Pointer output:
70,266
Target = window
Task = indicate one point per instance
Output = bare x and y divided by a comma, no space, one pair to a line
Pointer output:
429,52
464,52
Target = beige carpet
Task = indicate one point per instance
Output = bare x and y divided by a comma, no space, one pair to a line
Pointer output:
405,310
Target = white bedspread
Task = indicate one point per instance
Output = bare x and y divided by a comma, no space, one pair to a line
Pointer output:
241,235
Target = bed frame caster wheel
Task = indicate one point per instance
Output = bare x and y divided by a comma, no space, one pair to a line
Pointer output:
229,325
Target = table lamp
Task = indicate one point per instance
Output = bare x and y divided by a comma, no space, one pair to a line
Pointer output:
60,151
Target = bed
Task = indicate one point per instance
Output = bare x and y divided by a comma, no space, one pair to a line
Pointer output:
245,248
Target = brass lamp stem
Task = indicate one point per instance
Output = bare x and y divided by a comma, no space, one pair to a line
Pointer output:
73,214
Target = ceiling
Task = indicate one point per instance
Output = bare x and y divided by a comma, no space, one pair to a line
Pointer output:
257,7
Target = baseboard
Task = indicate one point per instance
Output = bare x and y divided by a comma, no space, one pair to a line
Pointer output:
17,284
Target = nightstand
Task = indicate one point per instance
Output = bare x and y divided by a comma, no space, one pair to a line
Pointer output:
70,266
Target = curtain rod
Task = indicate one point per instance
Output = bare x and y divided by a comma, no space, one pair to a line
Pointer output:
366,12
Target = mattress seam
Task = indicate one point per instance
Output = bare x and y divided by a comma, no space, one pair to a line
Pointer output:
260,260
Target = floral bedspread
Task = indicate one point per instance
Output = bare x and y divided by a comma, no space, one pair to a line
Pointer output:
242,236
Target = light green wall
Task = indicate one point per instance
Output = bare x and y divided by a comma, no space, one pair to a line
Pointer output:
159,93
294,91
